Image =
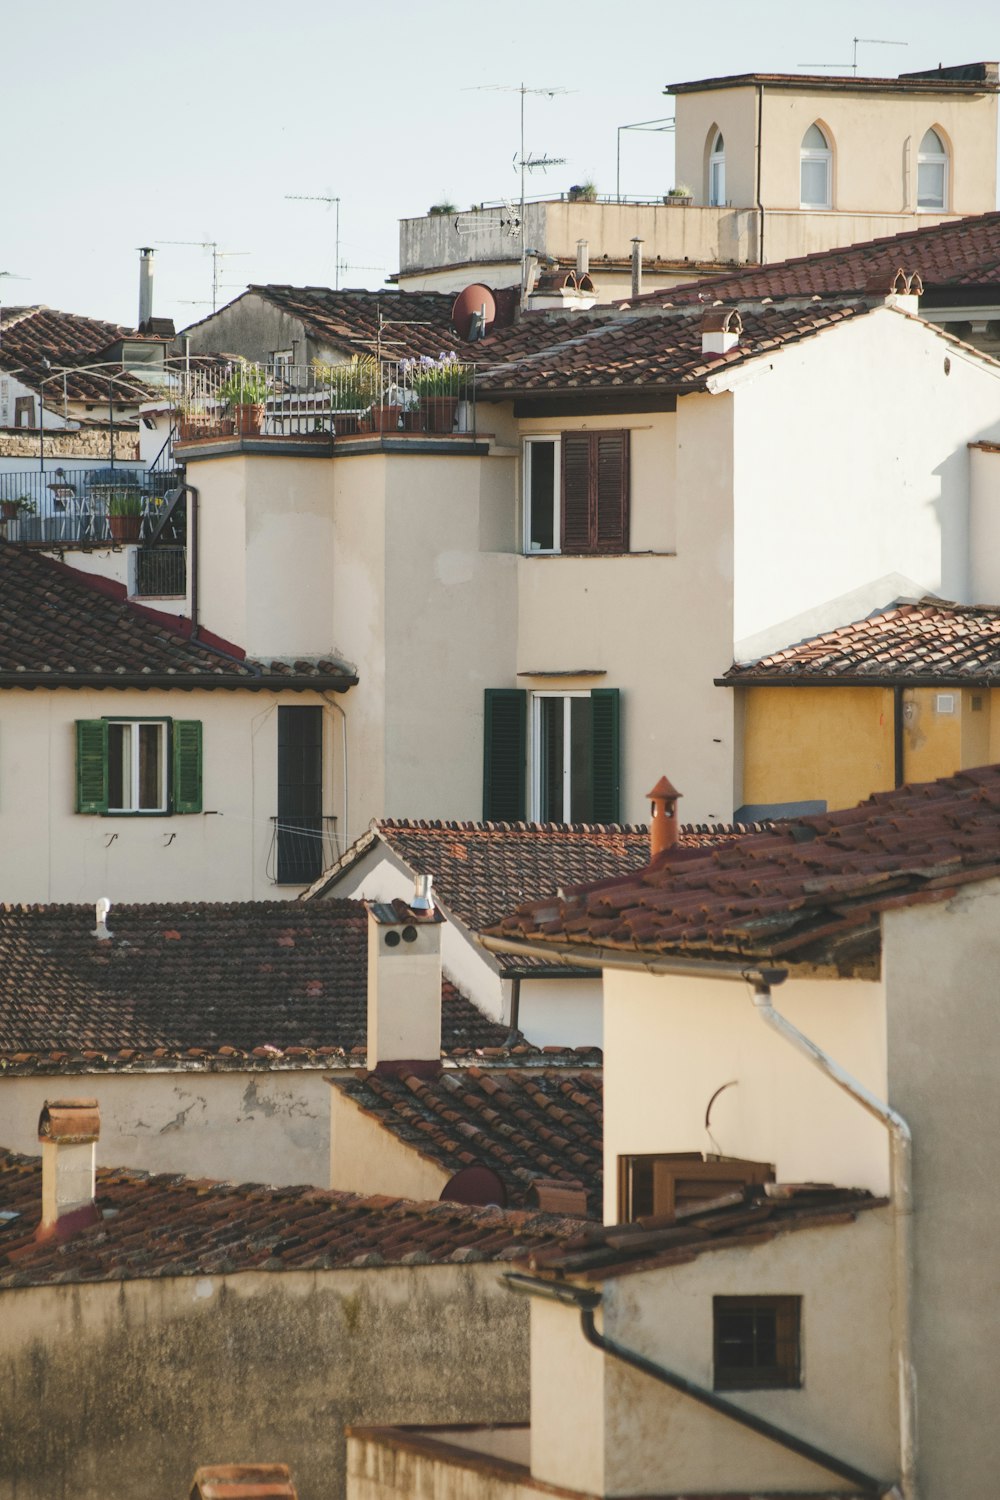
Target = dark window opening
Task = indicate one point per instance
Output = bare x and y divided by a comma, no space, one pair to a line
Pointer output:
300,795
757,1343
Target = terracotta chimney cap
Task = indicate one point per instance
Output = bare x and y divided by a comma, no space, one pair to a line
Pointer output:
663,791
72,1121
722,320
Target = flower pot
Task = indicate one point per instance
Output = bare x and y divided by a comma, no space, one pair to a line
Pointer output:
439,413
349,423
194,429
249,419
124,528
8,510
677,200
385,418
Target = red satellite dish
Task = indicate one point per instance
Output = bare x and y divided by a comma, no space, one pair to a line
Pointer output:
478,1185
473,312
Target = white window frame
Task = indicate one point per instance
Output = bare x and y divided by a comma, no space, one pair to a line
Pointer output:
933,159
555,440
717,174
811,154
536,750
133,768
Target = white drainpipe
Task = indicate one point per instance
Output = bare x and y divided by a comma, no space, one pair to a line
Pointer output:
901,1177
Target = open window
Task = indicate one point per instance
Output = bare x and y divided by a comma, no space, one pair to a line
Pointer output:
932,174
138,766
717,172
575,758
815,170
657,1186
576,493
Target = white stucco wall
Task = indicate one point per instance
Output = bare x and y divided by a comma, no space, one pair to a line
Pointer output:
367,1158
625,1434
49,852
984,525
669,1043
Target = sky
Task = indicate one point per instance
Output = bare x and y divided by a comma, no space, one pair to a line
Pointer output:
195,121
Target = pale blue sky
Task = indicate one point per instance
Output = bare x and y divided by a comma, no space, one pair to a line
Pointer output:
134,124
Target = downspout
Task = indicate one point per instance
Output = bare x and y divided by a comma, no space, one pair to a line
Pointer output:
897,733
587,1303
190,490
901,1176
760,206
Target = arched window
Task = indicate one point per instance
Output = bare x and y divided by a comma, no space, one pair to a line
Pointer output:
815,170
717,172
932,173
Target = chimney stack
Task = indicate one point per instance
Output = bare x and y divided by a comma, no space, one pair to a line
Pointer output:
721,328
662,817
145,284
582,258
904,291
239,1481
404,983
68,1130
637,267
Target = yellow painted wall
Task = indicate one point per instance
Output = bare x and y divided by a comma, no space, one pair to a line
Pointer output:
835,744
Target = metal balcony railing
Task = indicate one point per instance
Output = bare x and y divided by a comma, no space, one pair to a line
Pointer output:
98,507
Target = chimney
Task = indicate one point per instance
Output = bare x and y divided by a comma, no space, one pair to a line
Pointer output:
662,817
904,291
582,257
145,284
720,330
404,983
68,1130
239,1481
637,268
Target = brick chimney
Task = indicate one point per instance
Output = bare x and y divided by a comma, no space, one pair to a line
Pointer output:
404,983
662,817
721,328
68,1130
241,1481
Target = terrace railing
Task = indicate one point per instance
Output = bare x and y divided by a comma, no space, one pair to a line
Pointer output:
99,506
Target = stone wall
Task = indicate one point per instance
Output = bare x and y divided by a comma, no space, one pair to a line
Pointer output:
93,443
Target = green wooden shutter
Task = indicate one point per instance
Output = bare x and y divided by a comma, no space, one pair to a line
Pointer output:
503,754
576,506
605,731
91,766
186,752
611,492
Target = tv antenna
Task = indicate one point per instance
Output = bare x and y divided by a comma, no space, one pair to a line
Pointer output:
523,160
329,198
863,41
665,124
217,256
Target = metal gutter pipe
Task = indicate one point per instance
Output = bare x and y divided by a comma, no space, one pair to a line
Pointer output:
760,136
566,955
587,1303
901,1173
897,733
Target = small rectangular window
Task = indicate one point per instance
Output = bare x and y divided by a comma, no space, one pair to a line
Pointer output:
576,493
138,766
757,1343
541,493
930,185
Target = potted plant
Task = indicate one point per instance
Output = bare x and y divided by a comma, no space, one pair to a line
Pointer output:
583,192
12,510
679,196
246,389
125,515
355,388
439,384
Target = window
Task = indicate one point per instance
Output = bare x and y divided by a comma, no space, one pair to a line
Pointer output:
300,795
932,173
576,493
658,1186
815,170
757,1343
138,766
575,756
717,173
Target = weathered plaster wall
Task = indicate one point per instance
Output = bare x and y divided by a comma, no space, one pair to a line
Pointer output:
367,1158
940,965
237,1127
152,1378
249,326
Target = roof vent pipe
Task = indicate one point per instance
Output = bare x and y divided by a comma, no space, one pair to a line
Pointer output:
721,328
423,896
101,909
582,257
637,267
145,284
662,817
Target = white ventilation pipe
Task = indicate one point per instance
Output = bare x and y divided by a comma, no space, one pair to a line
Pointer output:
901,1189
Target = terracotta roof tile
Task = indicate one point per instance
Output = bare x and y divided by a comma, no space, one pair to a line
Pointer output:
31,335
525,1124
929,639
177,1226
810,891
196,984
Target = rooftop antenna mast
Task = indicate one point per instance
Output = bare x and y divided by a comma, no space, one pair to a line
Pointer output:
864,41
329,198
217,256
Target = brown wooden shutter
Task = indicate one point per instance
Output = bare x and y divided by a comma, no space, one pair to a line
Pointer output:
576,469
610,489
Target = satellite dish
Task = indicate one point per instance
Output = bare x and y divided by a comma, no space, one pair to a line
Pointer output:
476,1185
473,313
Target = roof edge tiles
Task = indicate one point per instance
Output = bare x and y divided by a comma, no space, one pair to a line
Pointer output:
934,81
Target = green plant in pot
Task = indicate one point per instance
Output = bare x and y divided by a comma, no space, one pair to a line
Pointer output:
125,515
355,388
13,510
246,389
438,384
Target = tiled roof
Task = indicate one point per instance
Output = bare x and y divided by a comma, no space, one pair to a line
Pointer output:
524,1124
349,319
974,78
31,335
930,640
662,351
808,892
196,984
177,1226
60,628
964,252
751,1215
482,870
